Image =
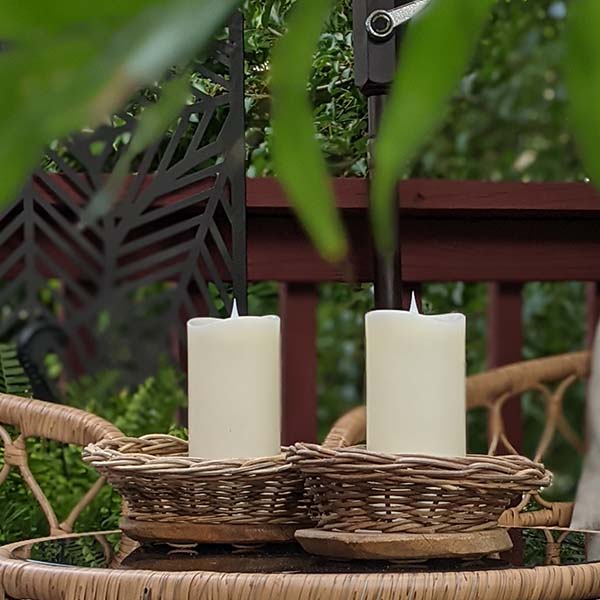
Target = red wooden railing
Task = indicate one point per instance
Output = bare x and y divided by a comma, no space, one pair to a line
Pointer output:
502,233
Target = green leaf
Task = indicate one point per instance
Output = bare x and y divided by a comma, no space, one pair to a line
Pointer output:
175,35
43,96
435,53
30,22
298,161
75,76
152,123
582,73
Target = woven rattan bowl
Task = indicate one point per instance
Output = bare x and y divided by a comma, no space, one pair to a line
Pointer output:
354,490
172,497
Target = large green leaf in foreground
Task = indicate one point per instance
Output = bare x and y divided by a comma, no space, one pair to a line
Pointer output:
152,124
435,53
298,160
582,71
73,64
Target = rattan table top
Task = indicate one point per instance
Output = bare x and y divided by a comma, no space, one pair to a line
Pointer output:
103,565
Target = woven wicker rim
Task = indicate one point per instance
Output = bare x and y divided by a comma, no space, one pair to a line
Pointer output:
160,455
356,463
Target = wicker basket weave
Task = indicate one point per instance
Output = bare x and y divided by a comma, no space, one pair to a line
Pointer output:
161,484
354,490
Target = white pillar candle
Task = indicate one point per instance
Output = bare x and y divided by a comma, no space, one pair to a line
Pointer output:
416,382
234,387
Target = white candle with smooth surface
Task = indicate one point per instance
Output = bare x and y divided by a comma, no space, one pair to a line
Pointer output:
234,387
416,382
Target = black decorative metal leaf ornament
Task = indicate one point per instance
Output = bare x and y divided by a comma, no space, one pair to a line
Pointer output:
173,247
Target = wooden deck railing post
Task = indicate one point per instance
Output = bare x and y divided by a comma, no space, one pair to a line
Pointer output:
505,345
298,309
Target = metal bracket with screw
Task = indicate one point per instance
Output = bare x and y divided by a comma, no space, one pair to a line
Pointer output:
381,24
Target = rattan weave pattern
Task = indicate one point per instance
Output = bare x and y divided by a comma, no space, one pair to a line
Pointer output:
20,578
36,419
162,484
356,490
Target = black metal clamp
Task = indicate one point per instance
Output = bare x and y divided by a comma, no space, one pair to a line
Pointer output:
381,24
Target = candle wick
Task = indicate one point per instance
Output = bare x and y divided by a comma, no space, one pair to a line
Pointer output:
414,309
234,310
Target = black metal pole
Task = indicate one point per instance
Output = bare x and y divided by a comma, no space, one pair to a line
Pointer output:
375,65
387,281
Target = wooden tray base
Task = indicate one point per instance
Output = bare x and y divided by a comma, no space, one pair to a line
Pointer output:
201,533
392,546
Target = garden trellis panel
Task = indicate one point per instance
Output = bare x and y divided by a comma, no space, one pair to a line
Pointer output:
118,286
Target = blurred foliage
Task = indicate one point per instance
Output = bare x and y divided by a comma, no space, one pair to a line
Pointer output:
300,165
572,550
341,349
507,117
148,408
80,63
340,111
582,74
67,78
554,321
506,120
76,552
